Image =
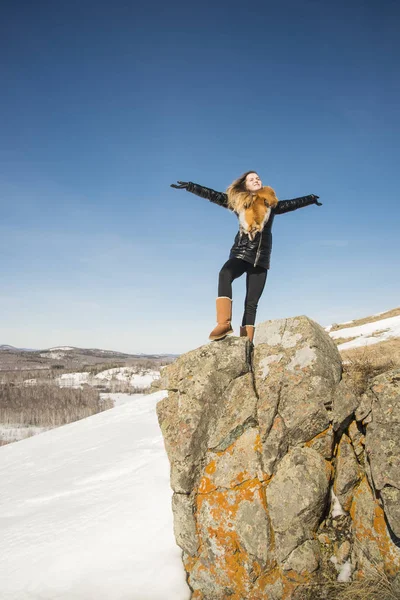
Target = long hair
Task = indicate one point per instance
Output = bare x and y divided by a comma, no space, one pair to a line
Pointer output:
240,198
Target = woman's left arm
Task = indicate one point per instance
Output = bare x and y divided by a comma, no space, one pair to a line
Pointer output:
285,206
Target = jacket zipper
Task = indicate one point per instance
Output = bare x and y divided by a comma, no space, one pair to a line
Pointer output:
258,250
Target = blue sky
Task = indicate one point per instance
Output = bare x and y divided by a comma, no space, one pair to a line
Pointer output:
104,104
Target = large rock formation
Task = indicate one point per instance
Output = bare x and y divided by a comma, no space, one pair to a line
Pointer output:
281,475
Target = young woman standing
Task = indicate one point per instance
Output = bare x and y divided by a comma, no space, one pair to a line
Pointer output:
255,207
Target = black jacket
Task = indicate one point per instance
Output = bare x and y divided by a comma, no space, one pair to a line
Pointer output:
256,251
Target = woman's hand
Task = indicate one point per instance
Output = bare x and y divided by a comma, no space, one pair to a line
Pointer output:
182,185
315,198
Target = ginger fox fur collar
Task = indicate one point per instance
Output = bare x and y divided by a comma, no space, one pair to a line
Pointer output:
252,208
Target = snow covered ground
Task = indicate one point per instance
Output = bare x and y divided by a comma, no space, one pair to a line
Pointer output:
61,348
14,433
85,511
367,334
128,375
120,398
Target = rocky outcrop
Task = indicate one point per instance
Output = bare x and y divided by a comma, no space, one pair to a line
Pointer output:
281,475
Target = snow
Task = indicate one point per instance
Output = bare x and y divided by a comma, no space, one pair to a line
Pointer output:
337,510
128,375
120,398
344,569
143,379
74,380
345,572
363,334
62,348
85,511
55,355
12,433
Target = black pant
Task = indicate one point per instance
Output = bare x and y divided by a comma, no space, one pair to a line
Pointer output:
255,282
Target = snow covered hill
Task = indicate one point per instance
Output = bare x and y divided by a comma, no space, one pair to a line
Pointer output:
132,376
85,511
368,331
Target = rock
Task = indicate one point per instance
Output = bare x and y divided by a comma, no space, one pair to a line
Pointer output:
275,445
255,442
235,540
364,408
391,502
382,443
323,443
296,498
348,473
183,508
373,547
197,383
239,463
269,585
305,559
345,402
343,552
239,413
296,369
357,438
324,539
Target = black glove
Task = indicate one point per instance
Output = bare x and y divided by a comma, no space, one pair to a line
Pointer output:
182,185
315,198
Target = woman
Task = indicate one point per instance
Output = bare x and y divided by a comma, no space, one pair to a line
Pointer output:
256,207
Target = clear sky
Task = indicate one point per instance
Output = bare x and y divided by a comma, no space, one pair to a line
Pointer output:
104,104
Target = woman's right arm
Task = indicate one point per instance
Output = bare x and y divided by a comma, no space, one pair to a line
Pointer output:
219,198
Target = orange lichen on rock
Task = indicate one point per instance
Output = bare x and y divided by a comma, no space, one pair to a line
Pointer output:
229,575
240,478
322,442
206,486
348,473
292,582
236,464
265,583
189,562
258,444
222,500
323,434
223,554
391,558
210,468
371,531
276,584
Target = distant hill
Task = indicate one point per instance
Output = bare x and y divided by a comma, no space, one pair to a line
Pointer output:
69,357
9,348
375,338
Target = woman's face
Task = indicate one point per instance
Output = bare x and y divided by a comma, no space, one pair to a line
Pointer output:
253,182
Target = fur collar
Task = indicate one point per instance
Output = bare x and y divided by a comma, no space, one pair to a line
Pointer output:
253,210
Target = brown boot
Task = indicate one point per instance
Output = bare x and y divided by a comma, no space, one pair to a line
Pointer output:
247,331
224,317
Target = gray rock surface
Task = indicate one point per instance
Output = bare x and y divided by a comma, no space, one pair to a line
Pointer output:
296,499
304,559
258,439
185,523
382,443
348,473
198,384
296,369
345,403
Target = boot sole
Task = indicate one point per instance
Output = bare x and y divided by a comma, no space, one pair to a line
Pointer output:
215,338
